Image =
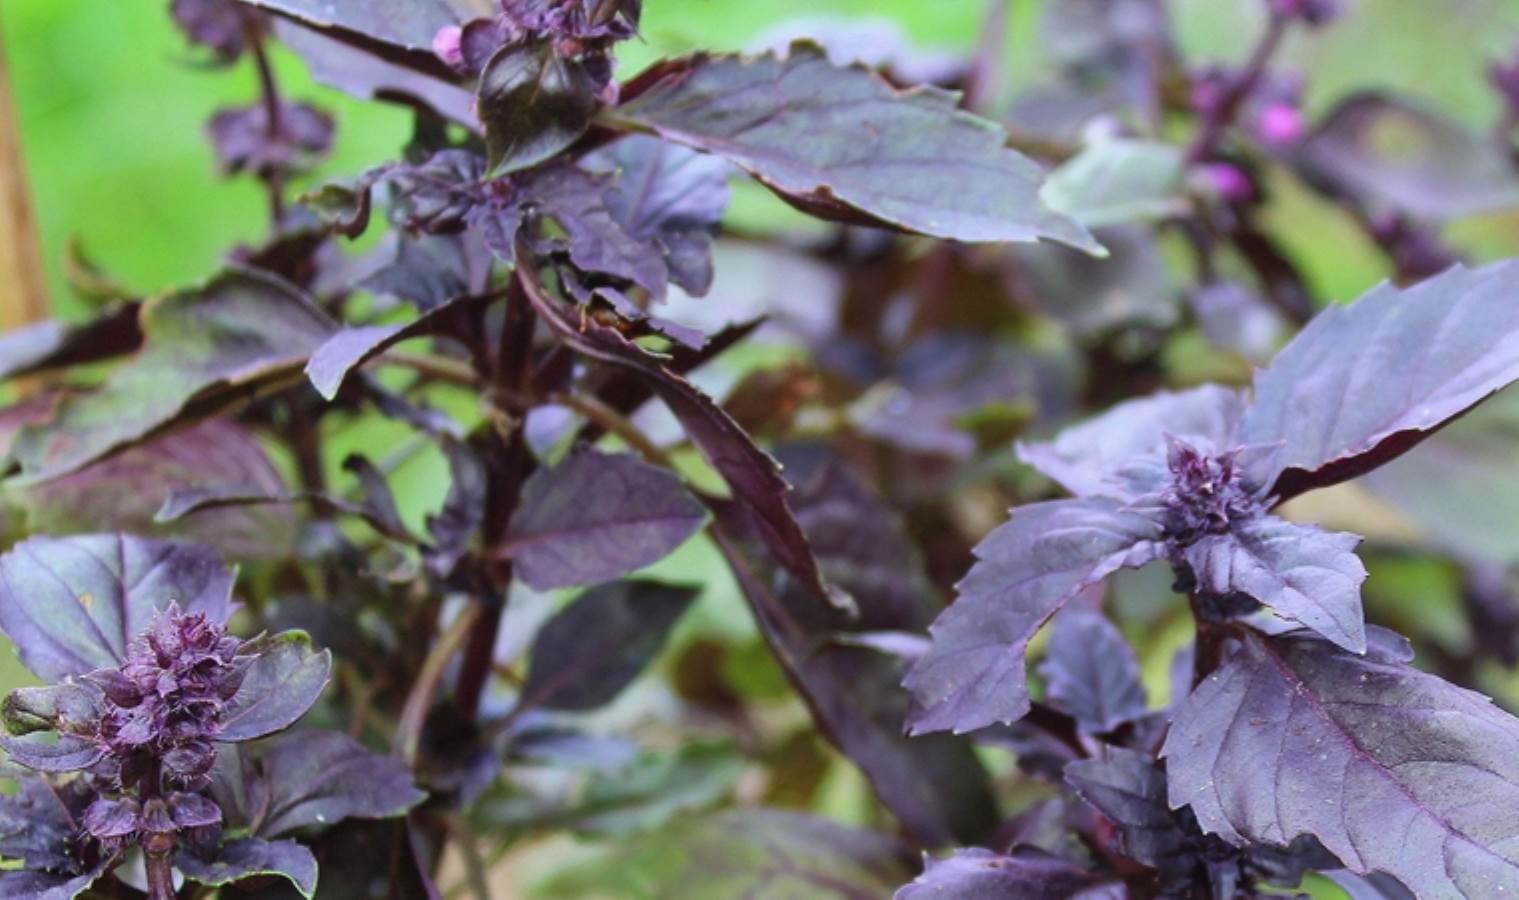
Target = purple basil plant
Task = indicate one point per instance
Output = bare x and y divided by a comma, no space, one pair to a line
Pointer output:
628,516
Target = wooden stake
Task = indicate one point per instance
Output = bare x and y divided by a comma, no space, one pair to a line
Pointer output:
23,284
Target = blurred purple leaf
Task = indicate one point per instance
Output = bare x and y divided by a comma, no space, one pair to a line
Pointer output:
598,516
1395,154
596,646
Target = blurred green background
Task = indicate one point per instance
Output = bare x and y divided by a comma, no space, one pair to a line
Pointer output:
112,105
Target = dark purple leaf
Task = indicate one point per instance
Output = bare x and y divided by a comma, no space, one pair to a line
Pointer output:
336,358
322,777
205,351
1130,790
1086,458
1091,672
596,646
1309,576
250,858
975,873
428,270
463,511
671,195
1423,355
51,344
934,785
40,819
748,852
201,501
598,516
72,605
46,885
125,491
843,143
1390,768
750,473
378,504
533,103
1396,155
1026,570
283,681
42,754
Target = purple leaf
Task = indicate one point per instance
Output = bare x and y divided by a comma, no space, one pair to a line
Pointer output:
47,885
455,525
596,646
343,352
39,753
671,195
975,873
218,25
1091,672
598,516
750,473
1390,768
1130,790
1393,154
842,143
40,819
204,350
71,605
1309,576
322,777
533,103
1376,886
1424,355
250,858
933,785
368,76
1086,459
125,490
1026,570
284,679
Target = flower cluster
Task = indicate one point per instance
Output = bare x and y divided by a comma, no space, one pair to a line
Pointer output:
1206,492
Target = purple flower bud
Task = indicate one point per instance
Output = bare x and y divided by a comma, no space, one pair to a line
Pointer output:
446,45
1206,492
1280,124
1228,181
